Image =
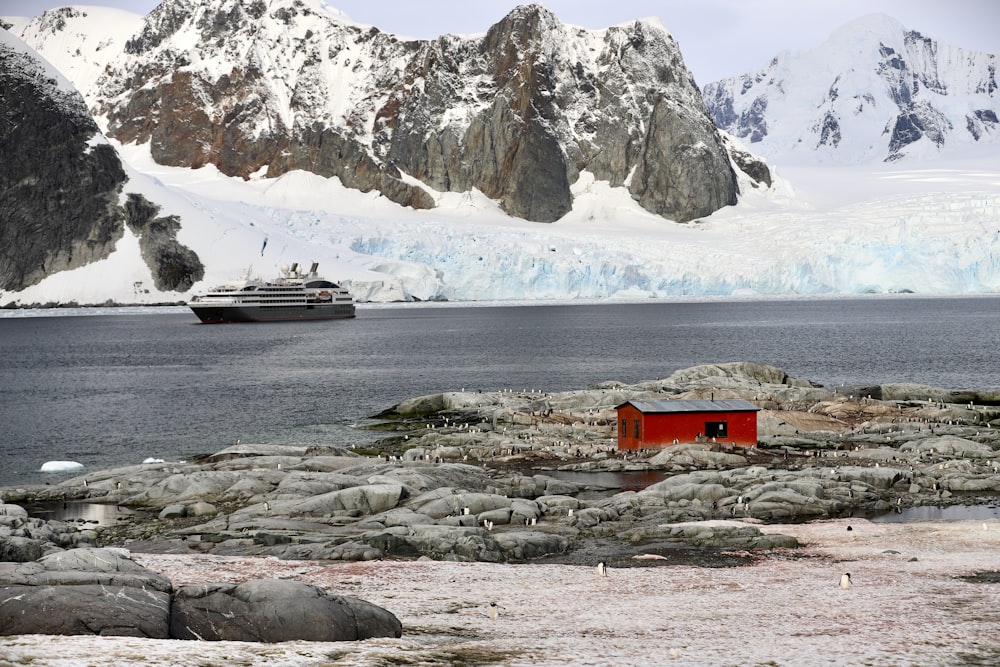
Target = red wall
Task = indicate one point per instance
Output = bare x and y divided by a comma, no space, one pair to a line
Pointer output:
657,430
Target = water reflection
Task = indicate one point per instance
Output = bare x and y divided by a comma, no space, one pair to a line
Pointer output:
96,514
935,513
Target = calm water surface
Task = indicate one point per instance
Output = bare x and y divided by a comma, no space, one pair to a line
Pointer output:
112,389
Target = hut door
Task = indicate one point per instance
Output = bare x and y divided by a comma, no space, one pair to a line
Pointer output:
716,430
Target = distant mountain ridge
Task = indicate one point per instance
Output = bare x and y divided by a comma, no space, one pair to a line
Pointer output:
874,91
517,113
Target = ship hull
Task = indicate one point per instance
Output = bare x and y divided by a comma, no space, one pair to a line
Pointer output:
221,314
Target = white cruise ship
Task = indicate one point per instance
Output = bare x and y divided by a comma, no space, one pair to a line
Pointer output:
294,295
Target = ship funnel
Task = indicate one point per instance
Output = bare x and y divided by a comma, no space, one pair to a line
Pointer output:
314,268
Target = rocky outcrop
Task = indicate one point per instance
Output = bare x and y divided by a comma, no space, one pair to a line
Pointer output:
61,185
24,538
272,610
83,592
175,267
516,114
474,476
59,180
104,592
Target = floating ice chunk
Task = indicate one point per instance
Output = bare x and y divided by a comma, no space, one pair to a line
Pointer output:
152,460
60,466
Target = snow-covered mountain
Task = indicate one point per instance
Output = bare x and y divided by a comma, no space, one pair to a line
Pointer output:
931,227
874,90
516,113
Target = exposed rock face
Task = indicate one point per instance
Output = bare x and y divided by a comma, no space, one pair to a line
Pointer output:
61,185
59,181
81,592
875,90
516,114
104,592
272,610
175,267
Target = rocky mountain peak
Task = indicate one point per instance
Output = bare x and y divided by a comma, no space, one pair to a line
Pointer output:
517,113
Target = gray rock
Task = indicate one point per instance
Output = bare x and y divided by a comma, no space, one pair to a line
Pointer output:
691,491
173,511
273,610
527,544
13,511
696,455
401,516
499,517
949,446
16,549
445,502
367,499
72,180
195,485
201,508
84,591
439,542
346,551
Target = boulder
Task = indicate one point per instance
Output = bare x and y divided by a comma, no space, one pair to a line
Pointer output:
689,491
879,478
451,502
197,485
696,455
15,549
174,511
272,610
202,508
526,544
367,499
347,551
949,446
14,511
440,542
82,592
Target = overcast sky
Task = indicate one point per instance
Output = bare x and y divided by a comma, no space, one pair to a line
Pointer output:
718,38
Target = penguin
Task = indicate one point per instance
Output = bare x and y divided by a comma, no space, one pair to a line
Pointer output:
493,611
602,569
845,581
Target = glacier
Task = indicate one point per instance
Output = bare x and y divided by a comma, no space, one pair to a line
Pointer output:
932,229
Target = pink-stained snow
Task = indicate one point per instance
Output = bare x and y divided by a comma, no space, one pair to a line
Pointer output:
906,607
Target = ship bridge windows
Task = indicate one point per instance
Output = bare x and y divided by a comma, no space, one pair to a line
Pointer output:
320,283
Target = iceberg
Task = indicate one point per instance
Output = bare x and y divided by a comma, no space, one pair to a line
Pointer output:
60,466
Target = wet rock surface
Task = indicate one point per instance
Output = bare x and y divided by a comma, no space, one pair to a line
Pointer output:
474,476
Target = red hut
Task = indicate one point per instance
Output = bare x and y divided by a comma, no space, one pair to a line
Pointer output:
657,424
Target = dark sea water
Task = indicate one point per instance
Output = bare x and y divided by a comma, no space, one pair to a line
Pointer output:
113,389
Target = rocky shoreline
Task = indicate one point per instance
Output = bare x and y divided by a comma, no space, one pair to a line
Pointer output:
475,477
471,476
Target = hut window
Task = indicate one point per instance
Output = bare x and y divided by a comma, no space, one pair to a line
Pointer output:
636,428
715,429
